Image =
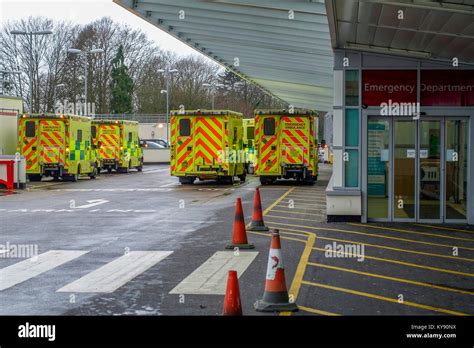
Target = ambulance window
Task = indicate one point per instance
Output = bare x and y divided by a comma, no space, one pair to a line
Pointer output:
235,135
30,129
79,135
250,133
185,127
94,132
269,126
130,137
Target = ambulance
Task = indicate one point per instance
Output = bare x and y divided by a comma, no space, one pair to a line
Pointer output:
59,146
118,144
285,145
248,139
207,145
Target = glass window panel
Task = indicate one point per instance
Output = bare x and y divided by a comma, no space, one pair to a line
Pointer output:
352,168
352,87
404,153
269,126
430,169
378,160
30,129
184,127
352,127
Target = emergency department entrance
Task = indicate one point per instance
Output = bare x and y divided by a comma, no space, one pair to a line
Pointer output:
417,170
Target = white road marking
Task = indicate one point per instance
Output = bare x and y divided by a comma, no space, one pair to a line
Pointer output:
171,184
116,273
149,189
92,203
24,270
156,171
77,211
211,277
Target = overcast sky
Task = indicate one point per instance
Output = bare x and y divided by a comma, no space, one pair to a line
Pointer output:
85,11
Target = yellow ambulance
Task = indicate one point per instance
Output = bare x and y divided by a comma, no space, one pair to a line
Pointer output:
285,145
207,144
119,145
248,139
57,146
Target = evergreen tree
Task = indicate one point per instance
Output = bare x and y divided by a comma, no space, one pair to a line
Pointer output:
121,86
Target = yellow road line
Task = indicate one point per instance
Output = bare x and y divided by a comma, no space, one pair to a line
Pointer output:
311,195
445,228
278,200
298,206
409,264
269,235
294,212
290,218
35,187
398,249
310,204
305,200
310,192
316,311
383,298
401,280
298,278
375,235
408,231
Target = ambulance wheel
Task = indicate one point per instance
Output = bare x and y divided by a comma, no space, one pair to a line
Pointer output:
227,180
94,173
109,170
187,180
243,177
35,177
75,177
265,180
310,180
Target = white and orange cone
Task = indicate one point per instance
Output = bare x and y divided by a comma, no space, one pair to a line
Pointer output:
275,297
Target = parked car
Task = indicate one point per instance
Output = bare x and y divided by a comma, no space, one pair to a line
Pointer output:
152,145
159,141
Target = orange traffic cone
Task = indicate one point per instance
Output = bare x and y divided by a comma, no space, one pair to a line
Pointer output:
257,223
239,237
275,297
232,304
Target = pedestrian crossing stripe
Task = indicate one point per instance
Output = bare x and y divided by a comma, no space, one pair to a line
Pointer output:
211,277
116,273
32,267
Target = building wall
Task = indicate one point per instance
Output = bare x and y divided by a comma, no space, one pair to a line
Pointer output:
152,131
10,107
348,176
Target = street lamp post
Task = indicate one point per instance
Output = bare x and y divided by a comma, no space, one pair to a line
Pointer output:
30,36
167,72
85,54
